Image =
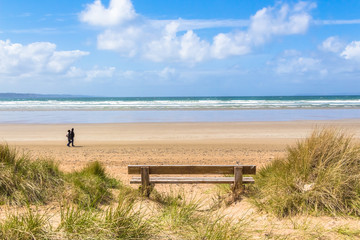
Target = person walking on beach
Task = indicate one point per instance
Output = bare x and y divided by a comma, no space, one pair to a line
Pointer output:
72,135
68,135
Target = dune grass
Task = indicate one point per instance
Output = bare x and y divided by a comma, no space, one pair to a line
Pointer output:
319,175
90,186
23,181
26,226
184,217
26,181
120,222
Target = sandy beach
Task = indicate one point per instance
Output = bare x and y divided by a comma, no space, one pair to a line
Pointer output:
118,145
121,144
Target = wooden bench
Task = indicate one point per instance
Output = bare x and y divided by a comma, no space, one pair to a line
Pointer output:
146,170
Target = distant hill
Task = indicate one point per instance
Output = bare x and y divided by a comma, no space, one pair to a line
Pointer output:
35,96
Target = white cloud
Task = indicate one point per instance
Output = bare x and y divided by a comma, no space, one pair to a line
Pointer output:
264,25
299,65
192,48
90,74
35,58
225,45
193,24
352,51
336,22
124,41
119,11
60,61
332,44
167,73
164,47
160,40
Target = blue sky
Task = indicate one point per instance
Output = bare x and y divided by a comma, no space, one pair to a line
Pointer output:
180,47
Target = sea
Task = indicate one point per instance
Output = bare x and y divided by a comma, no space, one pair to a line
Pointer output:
59,109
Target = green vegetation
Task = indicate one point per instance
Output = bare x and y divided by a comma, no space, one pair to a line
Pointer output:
349,232
185,218
26,226
23,181
90,186
121,222
320,175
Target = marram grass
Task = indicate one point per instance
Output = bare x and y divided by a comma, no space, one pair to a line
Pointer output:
90,186
23,181
26,226
319,175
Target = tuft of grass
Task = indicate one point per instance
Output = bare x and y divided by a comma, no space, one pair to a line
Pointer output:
23,181
90,186
26,226
125,222
219,228
77,222
186,219
121,222
348,231
319,175
177,212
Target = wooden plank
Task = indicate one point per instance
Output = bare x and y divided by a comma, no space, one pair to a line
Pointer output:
238,178
195,169
191,180
145,181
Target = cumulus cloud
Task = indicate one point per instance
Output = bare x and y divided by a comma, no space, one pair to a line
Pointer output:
332,44
352,51
132,35
35,58
285,20
118,12
225,45
124,41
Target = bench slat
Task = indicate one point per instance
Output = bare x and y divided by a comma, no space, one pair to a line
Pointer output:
195,169
169,180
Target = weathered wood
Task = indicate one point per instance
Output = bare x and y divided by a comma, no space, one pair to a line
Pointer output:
238,178
145,181
195,169
190,180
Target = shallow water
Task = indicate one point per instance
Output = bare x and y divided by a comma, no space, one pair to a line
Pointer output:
57,117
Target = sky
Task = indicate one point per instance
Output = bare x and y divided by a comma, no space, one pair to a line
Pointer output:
180,47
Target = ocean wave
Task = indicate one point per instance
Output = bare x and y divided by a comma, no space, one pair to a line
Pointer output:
179,104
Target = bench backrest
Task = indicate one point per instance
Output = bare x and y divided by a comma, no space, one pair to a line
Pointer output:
191,169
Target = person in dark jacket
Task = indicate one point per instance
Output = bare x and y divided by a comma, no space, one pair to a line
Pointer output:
72,135
68,135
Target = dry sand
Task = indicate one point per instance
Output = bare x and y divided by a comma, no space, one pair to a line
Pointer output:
118,145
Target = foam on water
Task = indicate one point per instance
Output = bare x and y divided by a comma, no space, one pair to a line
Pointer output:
186,103
177,109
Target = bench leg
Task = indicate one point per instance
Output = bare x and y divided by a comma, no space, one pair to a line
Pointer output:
145,181
238,180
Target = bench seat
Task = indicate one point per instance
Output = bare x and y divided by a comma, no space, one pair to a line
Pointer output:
190,180
146,180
